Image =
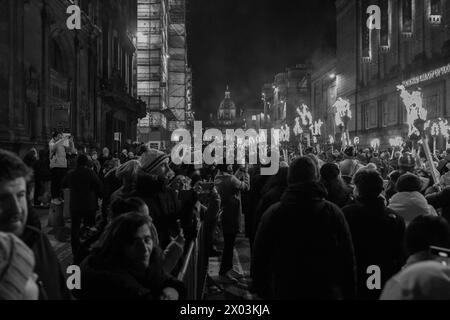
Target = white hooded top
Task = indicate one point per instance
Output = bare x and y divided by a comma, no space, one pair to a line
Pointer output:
410,205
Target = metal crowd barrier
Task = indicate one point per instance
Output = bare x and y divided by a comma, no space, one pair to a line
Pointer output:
195,267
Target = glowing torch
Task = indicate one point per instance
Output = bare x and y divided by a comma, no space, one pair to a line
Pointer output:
416,119
342,118
444,130
434,131
285,135
395,142
356,142
375,144
306,119
316,130
331,141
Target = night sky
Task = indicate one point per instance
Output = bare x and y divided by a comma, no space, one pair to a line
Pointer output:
244,43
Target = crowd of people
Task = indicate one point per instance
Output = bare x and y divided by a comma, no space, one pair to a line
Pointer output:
316,229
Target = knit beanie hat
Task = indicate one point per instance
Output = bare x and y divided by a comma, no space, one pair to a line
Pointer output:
409,183
128,170
16,266
152,159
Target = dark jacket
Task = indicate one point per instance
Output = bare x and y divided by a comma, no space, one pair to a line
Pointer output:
163,204
48,269
102,159
266,201
229,188
441,200
110,183
303,248
85,188
42,167
251,198
338,192
377,234
105,281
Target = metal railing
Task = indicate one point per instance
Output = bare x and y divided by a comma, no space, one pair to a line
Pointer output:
195,266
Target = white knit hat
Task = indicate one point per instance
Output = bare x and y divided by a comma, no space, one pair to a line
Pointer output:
16,266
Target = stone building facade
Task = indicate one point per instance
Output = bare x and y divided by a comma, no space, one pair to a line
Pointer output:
81,82
412,48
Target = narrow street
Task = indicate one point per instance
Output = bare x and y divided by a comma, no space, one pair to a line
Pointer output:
225,291
242,264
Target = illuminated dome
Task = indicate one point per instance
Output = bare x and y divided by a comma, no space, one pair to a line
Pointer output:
227,108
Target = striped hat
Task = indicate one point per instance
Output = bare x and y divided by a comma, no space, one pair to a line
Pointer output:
16,266
153,159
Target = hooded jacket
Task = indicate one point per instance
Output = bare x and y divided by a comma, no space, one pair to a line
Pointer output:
427,280
377,234
303,248
410,205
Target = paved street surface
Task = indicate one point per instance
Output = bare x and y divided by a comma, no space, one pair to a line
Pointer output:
242,264
225,292
63,249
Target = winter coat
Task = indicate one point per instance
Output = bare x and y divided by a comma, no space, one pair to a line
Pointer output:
42,167
338,192
410,205
85,188
229,188
427,280
251,198
377,234
58,157
50,275
110,183
106,281
163,204
303,248
267,200
441,200
102,159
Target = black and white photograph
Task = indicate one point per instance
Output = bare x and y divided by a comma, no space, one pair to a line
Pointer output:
224,155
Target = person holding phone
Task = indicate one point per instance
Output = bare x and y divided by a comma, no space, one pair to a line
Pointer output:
59,147
229,188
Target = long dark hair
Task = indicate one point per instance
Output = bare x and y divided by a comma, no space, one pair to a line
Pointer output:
109,249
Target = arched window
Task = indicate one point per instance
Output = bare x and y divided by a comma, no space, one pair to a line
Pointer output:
56,57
